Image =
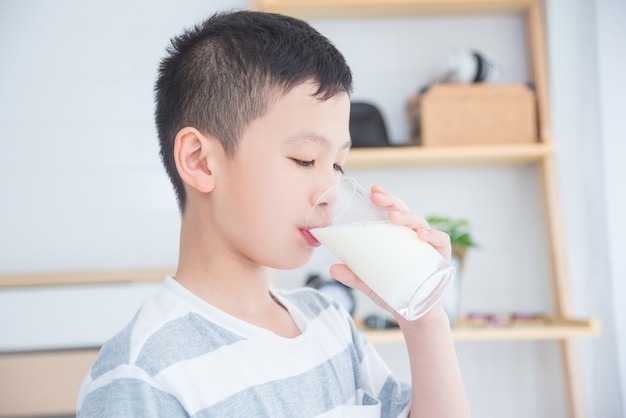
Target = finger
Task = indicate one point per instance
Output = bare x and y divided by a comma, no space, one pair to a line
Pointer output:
409,219
438,239
344,275
387,200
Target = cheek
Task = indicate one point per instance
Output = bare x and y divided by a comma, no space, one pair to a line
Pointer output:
273,209
263,208
274,214
275,190
266,199
272,237
269,225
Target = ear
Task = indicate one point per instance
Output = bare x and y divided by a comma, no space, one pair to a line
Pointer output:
193,153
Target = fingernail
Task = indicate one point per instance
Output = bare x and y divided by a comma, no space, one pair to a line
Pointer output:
423,231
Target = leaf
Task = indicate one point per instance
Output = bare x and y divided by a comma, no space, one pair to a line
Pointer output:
457,228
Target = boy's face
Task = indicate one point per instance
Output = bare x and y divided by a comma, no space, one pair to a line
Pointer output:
284,161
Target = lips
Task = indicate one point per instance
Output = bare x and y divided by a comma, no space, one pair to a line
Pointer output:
310,239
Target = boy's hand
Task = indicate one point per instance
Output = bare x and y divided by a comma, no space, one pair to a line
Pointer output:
398,214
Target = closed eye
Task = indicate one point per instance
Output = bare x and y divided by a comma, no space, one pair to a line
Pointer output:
311,164
304,163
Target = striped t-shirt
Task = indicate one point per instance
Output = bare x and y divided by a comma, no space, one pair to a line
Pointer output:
181,357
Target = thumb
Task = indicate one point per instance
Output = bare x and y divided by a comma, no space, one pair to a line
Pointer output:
344,275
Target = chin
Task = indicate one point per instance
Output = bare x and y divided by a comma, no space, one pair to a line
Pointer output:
292,261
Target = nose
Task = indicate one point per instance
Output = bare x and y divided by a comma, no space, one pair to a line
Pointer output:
330,197
327,194
325,206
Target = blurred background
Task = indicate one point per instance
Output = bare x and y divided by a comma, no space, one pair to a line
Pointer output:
82,187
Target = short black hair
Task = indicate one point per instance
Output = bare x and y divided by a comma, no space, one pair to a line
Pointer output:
223,73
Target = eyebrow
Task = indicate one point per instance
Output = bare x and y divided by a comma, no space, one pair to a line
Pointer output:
307,136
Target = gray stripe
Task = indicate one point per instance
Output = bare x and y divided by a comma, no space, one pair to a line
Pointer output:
130,398
360,342
326,386
312,303
115,352
394,396
182,339
309,301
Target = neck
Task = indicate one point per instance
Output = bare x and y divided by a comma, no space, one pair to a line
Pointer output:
219,276
223,277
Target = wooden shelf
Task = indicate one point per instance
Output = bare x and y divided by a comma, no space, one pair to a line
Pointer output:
421,157
375,8
84,278
556,329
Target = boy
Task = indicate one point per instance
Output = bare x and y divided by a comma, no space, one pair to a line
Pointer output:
252,112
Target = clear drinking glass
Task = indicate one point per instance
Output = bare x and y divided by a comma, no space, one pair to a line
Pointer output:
406,272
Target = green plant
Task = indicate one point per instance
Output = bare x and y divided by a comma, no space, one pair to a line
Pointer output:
459,232
457,229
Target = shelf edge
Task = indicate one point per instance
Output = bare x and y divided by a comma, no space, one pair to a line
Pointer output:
559,330
315,9
427,157
153,275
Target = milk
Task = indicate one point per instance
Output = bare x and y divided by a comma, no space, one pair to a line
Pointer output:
406,272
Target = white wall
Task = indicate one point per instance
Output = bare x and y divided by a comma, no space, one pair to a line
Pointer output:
586,55
611,30
81,186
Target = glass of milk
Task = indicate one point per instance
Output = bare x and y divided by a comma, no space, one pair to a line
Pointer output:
406,272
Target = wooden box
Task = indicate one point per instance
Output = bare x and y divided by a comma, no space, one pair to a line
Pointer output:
473,114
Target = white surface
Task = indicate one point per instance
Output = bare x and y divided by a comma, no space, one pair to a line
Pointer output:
67,317
611,15
586,54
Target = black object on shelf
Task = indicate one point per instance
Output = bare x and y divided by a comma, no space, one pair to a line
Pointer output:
367,126
379,322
